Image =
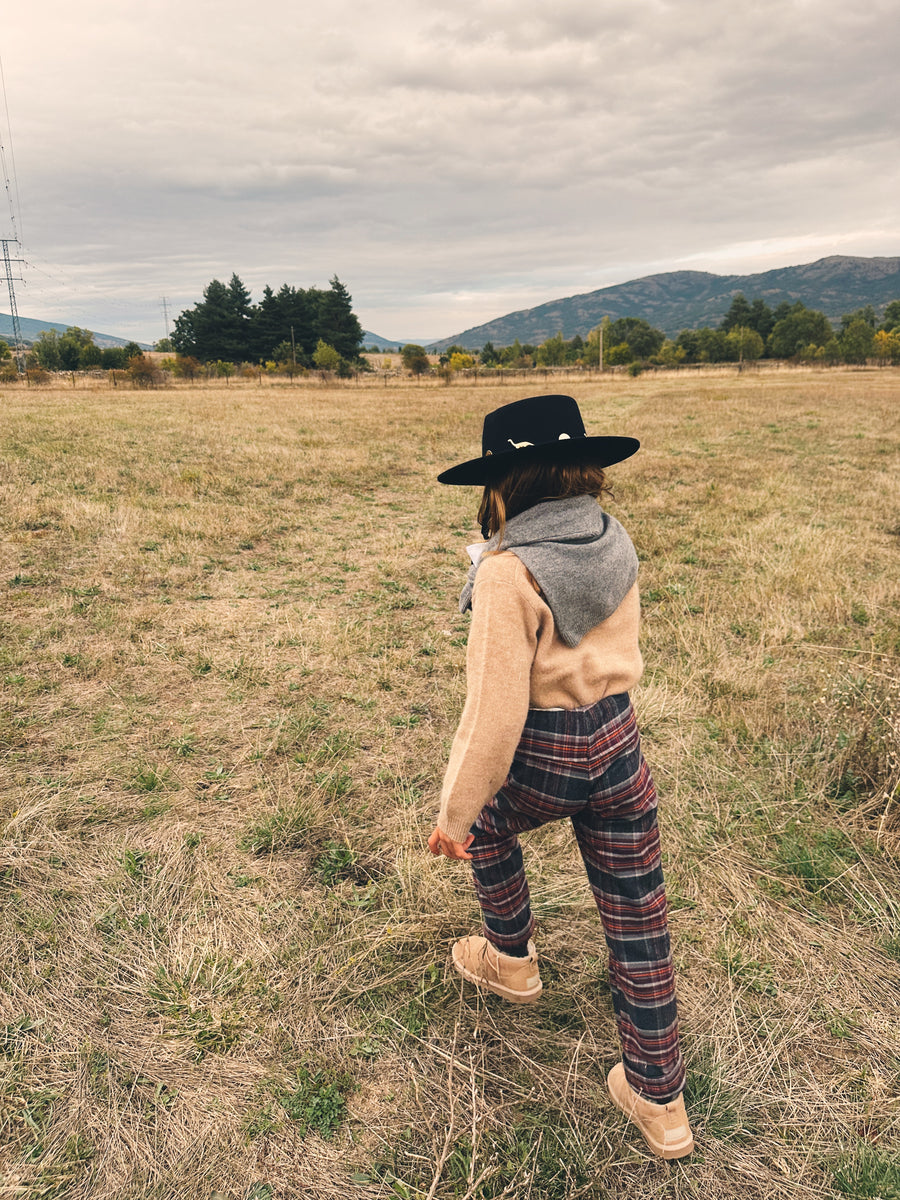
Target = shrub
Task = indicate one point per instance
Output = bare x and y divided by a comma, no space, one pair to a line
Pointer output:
143,371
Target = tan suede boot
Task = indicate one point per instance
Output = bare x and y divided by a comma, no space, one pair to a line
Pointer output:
514,979
664,1127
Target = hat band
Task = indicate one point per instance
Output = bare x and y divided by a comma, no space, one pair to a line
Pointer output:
563,437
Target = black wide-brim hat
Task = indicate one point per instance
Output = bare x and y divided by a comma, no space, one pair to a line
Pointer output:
537,429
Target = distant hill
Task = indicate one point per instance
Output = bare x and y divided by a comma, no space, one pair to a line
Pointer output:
679,300
374,339
31,330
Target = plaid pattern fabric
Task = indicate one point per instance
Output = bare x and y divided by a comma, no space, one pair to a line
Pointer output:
586,764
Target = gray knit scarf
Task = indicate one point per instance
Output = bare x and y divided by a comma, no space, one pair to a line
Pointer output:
580,556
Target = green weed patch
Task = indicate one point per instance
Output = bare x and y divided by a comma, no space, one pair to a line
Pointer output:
316,1099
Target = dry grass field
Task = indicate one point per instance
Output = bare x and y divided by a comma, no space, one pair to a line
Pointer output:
231,668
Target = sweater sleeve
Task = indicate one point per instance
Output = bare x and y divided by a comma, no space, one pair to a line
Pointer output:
501,648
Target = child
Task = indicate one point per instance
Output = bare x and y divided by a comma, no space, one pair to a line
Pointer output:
548,732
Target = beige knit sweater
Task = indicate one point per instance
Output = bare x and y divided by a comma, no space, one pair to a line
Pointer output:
515,661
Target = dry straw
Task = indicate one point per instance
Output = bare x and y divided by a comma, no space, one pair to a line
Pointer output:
231,669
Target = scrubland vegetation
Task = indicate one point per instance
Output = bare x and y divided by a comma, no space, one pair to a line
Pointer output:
231,668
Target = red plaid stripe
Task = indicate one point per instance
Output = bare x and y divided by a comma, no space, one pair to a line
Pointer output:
586,764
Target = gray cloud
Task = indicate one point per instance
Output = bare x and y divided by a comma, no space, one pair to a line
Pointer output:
449,161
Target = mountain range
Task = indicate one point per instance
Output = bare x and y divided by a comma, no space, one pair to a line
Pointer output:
679,300
671,301
384,344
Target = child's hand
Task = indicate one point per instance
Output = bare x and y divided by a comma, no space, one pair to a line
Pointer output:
439,843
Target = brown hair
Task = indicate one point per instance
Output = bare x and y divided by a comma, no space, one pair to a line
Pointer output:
530,483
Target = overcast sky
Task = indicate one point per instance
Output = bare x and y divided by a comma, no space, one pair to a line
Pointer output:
449,161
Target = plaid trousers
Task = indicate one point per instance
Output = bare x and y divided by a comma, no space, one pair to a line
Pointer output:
586,764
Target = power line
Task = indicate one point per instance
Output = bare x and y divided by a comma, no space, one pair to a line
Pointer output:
8,261
13,207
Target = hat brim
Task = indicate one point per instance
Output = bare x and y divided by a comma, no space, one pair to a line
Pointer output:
598,451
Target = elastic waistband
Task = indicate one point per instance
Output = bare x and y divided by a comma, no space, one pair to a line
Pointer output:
578,721
622,697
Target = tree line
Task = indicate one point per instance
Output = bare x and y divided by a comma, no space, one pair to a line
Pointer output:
75,350
747,332
293,325
317,328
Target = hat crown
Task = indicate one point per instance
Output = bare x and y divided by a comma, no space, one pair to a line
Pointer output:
534,421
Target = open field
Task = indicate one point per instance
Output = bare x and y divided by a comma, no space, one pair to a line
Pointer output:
231,668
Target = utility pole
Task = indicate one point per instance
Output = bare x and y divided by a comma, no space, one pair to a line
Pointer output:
18,350
599,332
165,308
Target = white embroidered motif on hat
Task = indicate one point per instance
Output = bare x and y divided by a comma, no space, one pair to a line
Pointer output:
564,437
519,445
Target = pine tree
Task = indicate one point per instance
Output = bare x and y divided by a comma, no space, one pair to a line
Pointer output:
212,317
337,324
738,315
265,327
184,332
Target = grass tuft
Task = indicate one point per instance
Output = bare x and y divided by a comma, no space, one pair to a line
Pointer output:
868,1173
288,828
